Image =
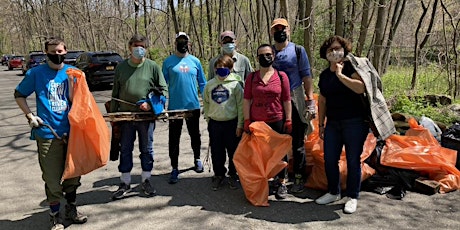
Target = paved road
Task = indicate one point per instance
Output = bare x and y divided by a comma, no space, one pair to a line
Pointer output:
190,204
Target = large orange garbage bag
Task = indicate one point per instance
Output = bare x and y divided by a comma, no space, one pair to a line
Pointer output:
89,138
420,151
259,157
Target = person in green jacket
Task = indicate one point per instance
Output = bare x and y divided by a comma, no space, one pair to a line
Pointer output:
223,110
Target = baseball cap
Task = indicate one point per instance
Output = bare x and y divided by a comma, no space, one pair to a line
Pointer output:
279,21
182,34
227,33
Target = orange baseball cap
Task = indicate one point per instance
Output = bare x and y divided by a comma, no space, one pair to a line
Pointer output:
279,21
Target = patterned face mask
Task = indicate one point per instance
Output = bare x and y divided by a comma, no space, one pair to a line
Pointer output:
335,55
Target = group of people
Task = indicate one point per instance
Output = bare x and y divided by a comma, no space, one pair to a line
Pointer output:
279,93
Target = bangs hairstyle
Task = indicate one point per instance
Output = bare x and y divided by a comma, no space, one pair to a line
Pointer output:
263,46
343,42
225,61
137,38
54,41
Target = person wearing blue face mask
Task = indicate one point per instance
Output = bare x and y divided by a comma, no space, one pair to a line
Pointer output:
242,66
223,110
134,79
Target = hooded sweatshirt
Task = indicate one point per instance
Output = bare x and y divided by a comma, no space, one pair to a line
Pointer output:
223,99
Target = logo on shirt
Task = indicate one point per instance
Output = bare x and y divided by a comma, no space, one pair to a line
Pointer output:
57,97
220,94
183,67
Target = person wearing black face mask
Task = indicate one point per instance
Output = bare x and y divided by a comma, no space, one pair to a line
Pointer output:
267,98
184,74
293,60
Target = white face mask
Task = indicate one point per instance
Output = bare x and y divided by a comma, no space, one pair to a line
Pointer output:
335,55
139,52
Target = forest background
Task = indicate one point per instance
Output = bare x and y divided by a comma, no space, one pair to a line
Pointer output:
414,44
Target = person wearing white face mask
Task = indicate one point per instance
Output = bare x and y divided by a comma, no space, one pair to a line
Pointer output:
242,66
134,79
342,121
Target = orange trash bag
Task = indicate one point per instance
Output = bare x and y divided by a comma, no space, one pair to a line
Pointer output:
259,157
89,138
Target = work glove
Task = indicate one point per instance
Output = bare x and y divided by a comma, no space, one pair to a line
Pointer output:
34,121
247,122
311,107
288,127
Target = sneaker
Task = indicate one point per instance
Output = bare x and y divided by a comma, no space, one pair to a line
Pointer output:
75,216
56,222
281,192
233,181
147,188
216,182
123,189
198,166
298,185
174,178
350,206
328,198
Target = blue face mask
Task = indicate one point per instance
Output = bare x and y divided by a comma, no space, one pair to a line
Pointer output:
223,72
228,48
139,52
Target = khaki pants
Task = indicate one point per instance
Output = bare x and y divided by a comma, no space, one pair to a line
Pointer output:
51,156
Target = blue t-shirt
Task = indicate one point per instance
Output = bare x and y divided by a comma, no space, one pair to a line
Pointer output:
286,61
341,102
51,88
183,75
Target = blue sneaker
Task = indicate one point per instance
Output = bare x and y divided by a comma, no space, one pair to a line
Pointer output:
198,166
174,178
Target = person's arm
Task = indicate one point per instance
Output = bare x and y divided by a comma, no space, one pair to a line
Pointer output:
206,103
354,83
201,78
211,69
321,114
308,87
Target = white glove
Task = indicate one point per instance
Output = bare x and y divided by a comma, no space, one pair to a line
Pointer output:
311,107
34,121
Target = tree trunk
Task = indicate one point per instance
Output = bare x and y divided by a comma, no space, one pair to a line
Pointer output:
416,46
396,19
339,18
308,23
379,34
173,16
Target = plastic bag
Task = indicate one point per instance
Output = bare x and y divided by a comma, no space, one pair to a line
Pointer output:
257,158
89,138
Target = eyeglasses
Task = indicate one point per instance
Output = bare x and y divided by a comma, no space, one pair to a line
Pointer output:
138,45
334,48
265,55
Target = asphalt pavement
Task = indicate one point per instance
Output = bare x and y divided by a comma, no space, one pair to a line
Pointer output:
189,204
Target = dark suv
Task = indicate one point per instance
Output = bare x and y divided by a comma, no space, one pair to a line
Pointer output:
99,66
71,56
34,58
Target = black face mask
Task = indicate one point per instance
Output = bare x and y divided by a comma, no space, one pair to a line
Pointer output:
182,47
56,58
265,61
280,36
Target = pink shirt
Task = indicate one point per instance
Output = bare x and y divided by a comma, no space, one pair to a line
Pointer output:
267,99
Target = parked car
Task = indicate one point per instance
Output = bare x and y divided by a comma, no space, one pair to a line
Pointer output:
34,58
99,66
15,62
71,56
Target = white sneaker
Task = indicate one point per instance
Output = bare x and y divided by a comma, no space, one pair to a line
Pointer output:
350,206
328,198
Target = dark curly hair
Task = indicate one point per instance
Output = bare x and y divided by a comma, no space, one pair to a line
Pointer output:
345,43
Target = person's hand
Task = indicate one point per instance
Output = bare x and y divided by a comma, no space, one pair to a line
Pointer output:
145,106
339,67
247,122
311,108
321,132
239,132
288,127
34,121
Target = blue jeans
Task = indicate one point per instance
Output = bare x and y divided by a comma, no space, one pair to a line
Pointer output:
144,131
352,133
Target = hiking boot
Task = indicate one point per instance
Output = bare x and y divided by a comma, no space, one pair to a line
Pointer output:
75,216
174,178
216,182
123,189
350,206
328,198
298,185
198,166
281,192
147,188
56,222
233,181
